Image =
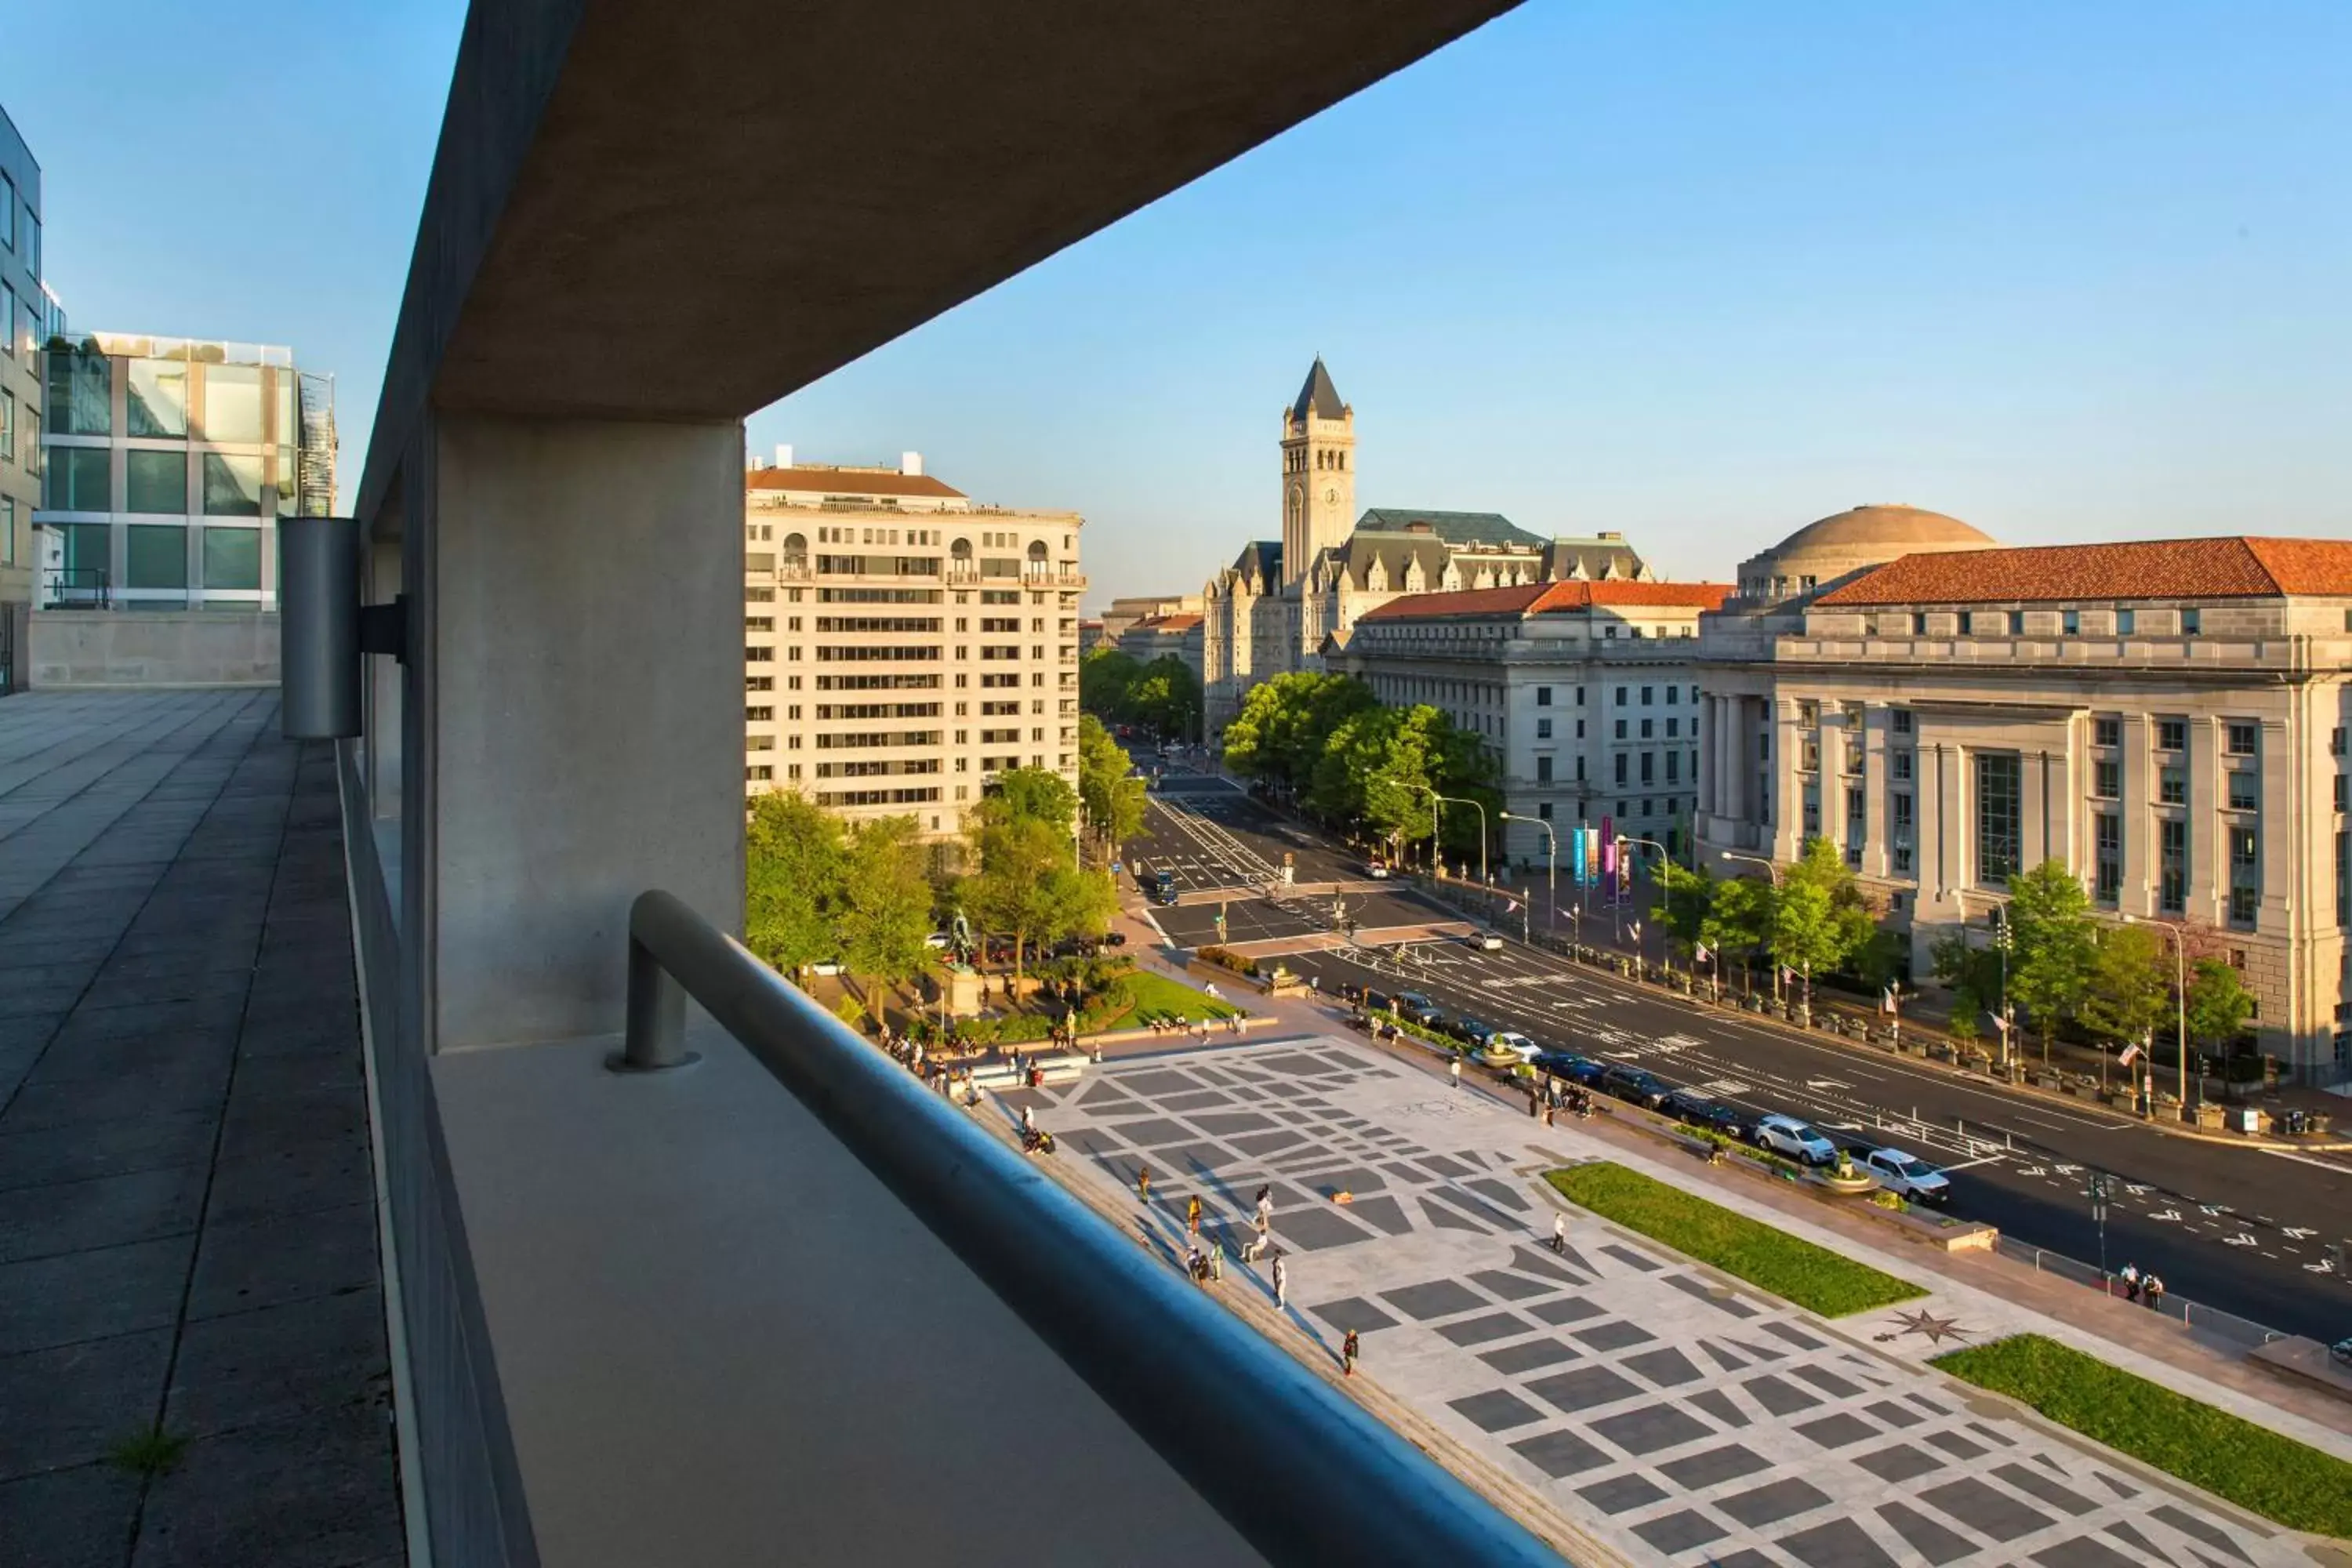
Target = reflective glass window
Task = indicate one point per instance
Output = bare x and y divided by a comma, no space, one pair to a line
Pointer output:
8,319
289,481
155,482
155,397
290,419
1999,811
77,481
82,392
233,403
157,556
232,484
231,558
88,553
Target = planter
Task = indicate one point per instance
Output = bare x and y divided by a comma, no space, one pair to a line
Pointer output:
1939,1052
2049,1081
1845,1186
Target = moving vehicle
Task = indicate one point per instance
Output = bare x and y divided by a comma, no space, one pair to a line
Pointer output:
1163,887
1569,1065
1376,871
1689,1106
1787,1135
1416,1008
1908,1176
1484,940
1472,1032
1513,1042
1642,1087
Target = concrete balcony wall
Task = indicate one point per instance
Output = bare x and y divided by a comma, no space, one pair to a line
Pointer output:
159,649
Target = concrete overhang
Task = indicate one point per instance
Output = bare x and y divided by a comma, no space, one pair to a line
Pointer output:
686,209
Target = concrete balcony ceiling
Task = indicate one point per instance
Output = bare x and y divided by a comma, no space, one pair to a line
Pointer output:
657,209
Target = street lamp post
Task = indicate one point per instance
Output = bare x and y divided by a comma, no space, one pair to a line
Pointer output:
1665,961
1774,872
2181,999
1551,850
2002,940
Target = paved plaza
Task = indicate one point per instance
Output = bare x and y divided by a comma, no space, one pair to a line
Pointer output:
1668,1414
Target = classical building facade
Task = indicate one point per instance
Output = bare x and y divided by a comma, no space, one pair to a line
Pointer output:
902,646
2167,719
1164,636
1585,693
1289,604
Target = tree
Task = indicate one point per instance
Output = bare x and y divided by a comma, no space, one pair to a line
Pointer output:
2219,1003
1738,917
1165,696
886,902
792,878
2129,989
1818,919
1113,801
2054,943
1038,794
1687,899
1104,681
1373,770
1026,889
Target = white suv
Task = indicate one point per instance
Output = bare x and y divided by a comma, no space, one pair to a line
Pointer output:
1908,1176
1787,1135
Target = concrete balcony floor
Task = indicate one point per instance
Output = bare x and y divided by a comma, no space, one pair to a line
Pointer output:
187,1205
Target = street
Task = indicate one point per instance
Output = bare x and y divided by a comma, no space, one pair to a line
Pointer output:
2237,1228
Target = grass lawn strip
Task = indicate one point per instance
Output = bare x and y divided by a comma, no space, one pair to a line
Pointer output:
2260,1471
1157,996
1812,1276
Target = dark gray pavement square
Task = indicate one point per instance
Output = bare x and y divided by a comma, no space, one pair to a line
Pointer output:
1292,1065
1352,1312
1793,1335
1837,1431
1437,1299
1497,1410
1567,1310
1678,1532
1930,1540
1515,1359
1640,1260
268,1262
1152,1132
37,1107
70,1406
1985,1508
1612,1336
1383,1212
1718,1403
1314,1229
1191,1158
1155,1080
1561,1453
78,1517
1223,1123
1348,1179
1510,1287
1584,1388
1894,1413
1694,1473
2035,1484
2085,1551
1650,1429
1719,1300
1779,1397
1838,1543
1667,1368
105,1149
1958,1446
1485,1329
1546,1265
280,1363
1262,1144
294,1494
79,1296
1825,1380
1444,1165
1503,1193
111,1211
2188,1524
1195,1101
1621,1493
1445,1217
1898,1462
1773,1501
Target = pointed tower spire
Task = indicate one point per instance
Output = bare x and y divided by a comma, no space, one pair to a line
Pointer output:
1318,396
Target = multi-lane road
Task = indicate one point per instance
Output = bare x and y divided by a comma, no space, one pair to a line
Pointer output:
2238,1229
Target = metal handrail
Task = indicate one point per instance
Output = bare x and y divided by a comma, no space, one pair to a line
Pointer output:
1304,1474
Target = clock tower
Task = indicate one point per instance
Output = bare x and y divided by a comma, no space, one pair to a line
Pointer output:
1318,474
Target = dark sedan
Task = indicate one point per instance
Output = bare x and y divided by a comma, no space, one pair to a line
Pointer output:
1699,1111
1643,1089
1577,1069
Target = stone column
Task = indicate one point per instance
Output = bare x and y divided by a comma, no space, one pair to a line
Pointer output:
2208,848
1878,858
573,710
1710,803
2137,894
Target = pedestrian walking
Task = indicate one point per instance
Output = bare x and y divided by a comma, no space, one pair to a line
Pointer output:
2130,1278
1455,1067
1192,1213
1217,1259
1281,1286
2152,1289
1028,1119
1347,1349
1560,1232
1143,1183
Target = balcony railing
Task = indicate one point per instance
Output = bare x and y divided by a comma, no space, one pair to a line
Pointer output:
1309,1477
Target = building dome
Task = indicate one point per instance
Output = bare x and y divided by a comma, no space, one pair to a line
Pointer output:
1822,554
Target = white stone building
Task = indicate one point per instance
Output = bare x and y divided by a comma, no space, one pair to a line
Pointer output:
2166,719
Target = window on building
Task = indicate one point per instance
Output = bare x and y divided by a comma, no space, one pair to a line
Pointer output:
2335,736
1579,729
2107,779
2017,623
1543,696
2172,734
2342,785
2242,738
2108,833
2107,731
1621,729
1543,728
233,403
231,558
1674,726
1543,770
2172,785
1899,721
1580,696
1649,764
1999,814
1967,623
2192,622
1857,809
2245,791
1620,697
78,480
1624,765
1918,624
1673,767
2070,622
1900,765
1579,770
1543,811
1649,729
232,485
155,398
1647,693
82,392
2172,865
157,556
2127,621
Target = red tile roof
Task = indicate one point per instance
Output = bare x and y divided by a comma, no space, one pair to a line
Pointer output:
849,482
2228,568
1164,624
1551,598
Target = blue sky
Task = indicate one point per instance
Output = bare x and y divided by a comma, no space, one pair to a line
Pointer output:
1699,273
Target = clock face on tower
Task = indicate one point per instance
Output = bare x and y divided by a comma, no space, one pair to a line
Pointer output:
1331,498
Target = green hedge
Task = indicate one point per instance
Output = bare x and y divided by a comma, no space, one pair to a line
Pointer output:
1812,1276
2251,1466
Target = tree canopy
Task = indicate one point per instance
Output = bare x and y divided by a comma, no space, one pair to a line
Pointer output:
793,874
1113,801
2128,988
2219,1003
885,901
2054,943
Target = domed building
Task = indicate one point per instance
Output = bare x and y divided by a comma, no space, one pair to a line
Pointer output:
1821,555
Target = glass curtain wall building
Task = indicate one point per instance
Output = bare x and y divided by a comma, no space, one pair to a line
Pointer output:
23,317
169,462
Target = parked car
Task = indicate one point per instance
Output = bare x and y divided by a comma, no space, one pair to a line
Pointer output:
939,941
1640,1085
831,966
1472,1032
1908,1175
1577,1069
1787,1135
1689,1106
1513,1042
1416,1008
1114,939
1484,940
1376,1001
1376,870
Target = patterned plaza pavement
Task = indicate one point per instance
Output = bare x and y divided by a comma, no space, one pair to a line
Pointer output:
1670,1416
